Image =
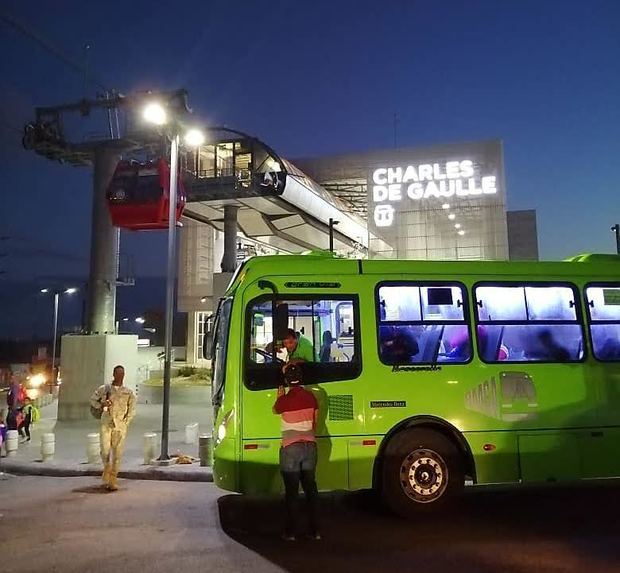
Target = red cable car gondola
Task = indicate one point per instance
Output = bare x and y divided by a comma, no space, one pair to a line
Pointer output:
138,195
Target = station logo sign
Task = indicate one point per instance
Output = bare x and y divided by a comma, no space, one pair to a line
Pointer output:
394,188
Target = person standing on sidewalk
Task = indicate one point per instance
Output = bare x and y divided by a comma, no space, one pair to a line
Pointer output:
298,454
118,406
28,412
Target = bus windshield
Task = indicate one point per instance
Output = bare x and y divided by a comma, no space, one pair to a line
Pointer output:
220,347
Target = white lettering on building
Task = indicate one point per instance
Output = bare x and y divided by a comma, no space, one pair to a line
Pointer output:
436,181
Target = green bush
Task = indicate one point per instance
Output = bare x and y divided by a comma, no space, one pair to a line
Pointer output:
187,371
202,373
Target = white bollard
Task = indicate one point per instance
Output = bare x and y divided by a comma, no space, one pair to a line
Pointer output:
191,433
149,447
12,442
93,448
48,445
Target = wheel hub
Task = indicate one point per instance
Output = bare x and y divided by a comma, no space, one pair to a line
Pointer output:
424,475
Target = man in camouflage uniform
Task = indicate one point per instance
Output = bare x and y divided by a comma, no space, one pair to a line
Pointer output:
118,405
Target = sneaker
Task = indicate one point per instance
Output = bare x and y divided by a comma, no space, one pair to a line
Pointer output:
288,536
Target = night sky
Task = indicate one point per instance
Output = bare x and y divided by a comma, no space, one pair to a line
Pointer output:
313,78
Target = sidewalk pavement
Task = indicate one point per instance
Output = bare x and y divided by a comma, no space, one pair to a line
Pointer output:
70,455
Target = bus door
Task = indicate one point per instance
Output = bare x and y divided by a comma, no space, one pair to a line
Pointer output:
324,328
530,335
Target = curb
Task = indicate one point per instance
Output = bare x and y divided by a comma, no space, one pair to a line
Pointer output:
150,473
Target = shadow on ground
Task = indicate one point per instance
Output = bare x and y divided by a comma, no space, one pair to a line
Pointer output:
99,488
544,529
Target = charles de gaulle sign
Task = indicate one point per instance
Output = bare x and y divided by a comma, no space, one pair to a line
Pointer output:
394,186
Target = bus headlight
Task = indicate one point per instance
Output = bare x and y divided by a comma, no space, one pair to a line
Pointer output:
221,432
221,429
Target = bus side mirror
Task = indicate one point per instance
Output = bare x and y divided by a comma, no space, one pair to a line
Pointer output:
207,346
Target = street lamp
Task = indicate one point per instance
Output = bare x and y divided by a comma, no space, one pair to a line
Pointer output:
57,294
155,114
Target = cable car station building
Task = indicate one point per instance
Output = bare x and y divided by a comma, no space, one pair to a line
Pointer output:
441,202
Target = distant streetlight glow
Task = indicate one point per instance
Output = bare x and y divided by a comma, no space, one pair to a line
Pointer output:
57,293
155,113
457,225
194,138
461,232
140,320
451,216
445,206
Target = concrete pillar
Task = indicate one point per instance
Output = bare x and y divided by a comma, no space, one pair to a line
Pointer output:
229,260
104,244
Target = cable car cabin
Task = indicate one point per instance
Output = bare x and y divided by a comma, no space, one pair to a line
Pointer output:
138,195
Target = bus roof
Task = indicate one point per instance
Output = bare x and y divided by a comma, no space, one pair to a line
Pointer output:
325,263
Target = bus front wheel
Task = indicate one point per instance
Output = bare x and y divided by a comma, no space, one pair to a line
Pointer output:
422,471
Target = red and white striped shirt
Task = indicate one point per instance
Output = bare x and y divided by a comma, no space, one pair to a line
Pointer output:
297,409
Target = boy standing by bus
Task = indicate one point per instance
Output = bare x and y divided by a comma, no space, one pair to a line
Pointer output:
298,454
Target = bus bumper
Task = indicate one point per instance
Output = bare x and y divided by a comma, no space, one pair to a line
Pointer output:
226,465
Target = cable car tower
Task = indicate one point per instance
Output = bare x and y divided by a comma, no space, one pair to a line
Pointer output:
118,206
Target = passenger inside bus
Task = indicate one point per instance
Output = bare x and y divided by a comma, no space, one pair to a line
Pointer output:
325,353
609,350
298,348
553,350
398,345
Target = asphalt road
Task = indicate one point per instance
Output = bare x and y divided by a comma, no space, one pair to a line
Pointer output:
69,524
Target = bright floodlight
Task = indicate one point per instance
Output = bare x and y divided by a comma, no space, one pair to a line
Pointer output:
44,290
140,320
71,290
451,216
154,113
445,206
194,138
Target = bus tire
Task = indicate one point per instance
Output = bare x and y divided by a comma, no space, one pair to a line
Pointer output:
423,470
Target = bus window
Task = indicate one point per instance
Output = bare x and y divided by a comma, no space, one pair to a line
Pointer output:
528,323
603,304
422,324
220,348
323,334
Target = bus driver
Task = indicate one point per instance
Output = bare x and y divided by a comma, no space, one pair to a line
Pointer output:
298,349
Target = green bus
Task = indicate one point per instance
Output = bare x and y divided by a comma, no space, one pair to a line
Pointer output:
429,374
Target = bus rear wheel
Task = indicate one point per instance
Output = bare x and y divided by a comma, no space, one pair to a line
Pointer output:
422,471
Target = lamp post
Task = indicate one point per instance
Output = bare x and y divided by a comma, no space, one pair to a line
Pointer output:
156,114
57,294
332,224
616,229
